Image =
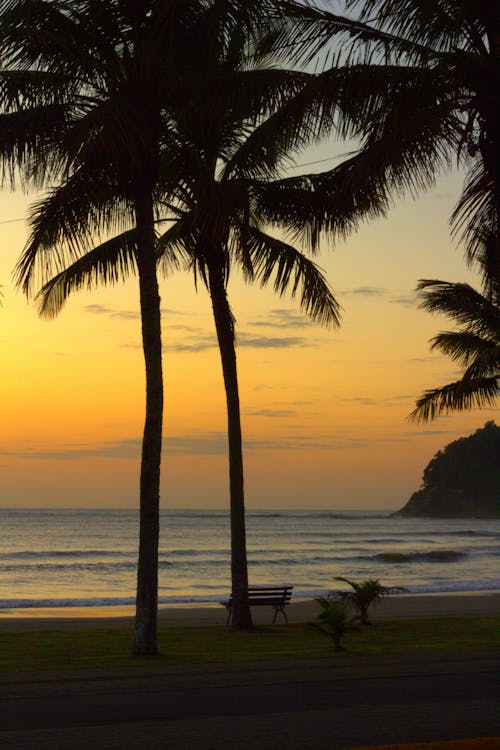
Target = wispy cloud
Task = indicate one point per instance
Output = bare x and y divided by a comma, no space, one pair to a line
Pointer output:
405,300
197,343
111,312
208,444
271,413
392,296
365,291
281,318
275,342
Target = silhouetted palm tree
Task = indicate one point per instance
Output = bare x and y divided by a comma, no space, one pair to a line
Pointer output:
420,76
107,72
475,346
215,180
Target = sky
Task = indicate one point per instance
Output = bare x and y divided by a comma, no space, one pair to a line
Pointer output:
324,413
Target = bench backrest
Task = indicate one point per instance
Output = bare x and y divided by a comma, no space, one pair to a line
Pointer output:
268,594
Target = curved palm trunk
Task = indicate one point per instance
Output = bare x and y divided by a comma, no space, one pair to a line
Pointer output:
145,631
241,617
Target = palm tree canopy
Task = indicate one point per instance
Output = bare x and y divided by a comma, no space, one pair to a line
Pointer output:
420,76
475,347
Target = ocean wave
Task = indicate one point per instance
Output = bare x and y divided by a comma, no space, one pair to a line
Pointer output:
434,556
70,553
48,567
472,532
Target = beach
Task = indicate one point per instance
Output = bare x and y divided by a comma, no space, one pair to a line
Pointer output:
394,607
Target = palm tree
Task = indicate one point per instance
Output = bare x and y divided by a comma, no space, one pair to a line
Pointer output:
364,594
419,76
214,171
108,72
475,346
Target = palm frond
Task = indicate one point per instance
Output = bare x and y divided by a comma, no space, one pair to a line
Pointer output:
107,264
444,25
28,142
465,347
462,303
475,219
64,224
461,395
311,33
292,272
174,246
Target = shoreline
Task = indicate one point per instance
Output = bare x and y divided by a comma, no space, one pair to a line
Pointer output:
399,606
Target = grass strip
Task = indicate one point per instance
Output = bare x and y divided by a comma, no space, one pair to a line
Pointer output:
75,649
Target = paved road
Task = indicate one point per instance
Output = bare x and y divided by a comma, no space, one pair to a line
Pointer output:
311,706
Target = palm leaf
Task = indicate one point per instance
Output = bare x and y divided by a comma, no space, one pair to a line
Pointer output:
465,347
107,264
461,395
292,272
64,224
462,303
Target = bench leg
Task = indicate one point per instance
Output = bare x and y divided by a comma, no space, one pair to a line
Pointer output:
279,608
229,613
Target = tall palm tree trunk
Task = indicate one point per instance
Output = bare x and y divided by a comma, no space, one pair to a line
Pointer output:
241,615
145,631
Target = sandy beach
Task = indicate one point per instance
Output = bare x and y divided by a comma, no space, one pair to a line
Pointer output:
395,607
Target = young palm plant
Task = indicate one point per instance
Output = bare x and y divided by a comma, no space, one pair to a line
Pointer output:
364,594
334,619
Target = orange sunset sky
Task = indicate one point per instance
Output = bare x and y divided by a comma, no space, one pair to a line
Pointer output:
324,412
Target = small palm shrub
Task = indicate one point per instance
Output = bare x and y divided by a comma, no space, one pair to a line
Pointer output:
335,619
364,594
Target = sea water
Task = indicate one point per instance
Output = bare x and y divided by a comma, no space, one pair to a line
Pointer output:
89,557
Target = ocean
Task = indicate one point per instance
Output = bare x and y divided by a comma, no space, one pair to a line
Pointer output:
64,558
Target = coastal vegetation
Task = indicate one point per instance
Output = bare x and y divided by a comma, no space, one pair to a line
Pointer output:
462,480
364,594
110,107
216,182
102,647
443,57
474,346
335,620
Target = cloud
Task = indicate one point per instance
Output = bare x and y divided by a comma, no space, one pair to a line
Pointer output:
281,318
207,444
405,300
192,344
271,413
123,314
423,360
386,400
408,300
116,449
264,342
98,309
365,291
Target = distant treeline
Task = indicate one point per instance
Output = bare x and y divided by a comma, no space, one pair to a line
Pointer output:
462,480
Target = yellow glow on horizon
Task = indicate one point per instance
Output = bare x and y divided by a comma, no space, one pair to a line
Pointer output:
323,412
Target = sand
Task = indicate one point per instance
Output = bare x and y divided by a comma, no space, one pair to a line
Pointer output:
395,607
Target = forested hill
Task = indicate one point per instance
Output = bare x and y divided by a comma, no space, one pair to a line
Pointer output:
462,480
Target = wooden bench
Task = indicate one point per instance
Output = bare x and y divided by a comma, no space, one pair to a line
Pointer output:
264,596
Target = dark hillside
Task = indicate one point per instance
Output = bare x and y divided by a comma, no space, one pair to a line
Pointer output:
462,480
